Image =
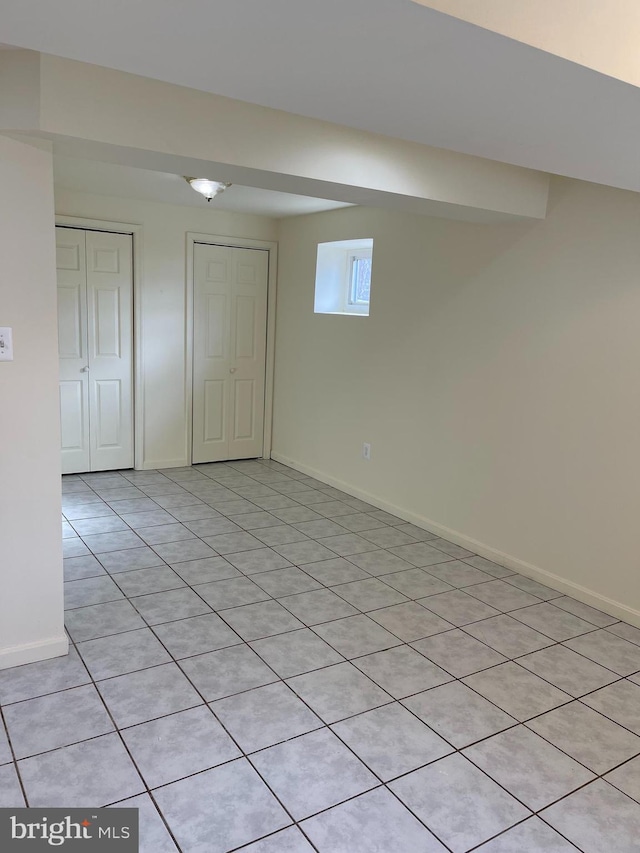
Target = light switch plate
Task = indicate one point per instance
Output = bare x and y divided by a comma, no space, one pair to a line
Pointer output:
6,344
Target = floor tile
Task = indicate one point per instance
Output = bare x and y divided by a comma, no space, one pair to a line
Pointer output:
332,572
101,620
458,574
143,581
458,803
608,650
370,594
134,505
193,512
126,561
141,696
371,822
230,543
450,548
232,592
401,671
488,566
154,835
502,596
391,741
90,510
516,690
458,608
533,835
296,652
182,552
5,750
458,653
627,778
533,587
220,809
284,534
418,533
196,635
258,520
101,524
287,841
528,767
38,679
161,533
415,583
265,716
620,702
420,554
356,635
627,632
321,527
258,561
59,719
304,552
168,606
568,670
147,519
179,745
597,818
227,671
99,543
318,606
10,791
587,736
77,568
458,714
508,636
281,582
379,562
385,517
94,773
337,692
347,544
312,772
122,653
170,501
334,509
409,621
264,619
206,570
553,622
74,548
590,614
212,526
388,537
83,593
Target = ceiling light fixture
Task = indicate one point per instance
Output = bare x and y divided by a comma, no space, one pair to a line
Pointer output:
209,189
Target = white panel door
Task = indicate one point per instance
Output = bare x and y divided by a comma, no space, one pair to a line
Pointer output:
73,349
229,352
95,300
110,312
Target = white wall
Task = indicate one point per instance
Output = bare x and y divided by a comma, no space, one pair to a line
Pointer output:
496,379
163,303
31,607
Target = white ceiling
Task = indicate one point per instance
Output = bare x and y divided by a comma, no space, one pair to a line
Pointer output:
389,66
89,176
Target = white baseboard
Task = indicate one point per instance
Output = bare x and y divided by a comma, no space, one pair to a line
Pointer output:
581,593
32,652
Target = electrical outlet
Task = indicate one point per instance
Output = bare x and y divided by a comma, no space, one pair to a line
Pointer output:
366,451
6,344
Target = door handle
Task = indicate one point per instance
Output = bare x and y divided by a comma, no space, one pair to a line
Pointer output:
232,370
85,369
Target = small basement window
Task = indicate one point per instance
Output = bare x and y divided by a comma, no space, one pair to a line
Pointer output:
343,277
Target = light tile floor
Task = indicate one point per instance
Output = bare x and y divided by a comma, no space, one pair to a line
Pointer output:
261,662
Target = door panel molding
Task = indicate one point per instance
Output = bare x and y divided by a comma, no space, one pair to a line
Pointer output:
235,243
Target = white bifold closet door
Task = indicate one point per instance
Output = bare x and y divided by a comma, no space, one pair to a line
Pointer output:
95,346
229,352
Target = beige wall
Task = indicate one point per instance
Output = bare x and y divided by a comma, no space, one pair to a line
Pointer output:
163,303
31,609
496,379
